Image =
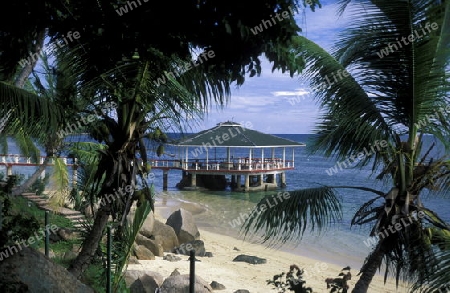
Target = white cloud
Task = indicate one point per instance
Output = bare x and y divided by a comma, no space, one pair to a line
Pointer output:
274,102
297,92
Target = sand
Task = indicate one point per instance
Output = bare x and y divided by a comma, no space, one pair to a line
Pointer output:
241,275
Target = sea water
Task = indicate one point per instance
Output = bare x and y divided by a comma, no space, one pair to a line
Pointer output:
218,211
340,243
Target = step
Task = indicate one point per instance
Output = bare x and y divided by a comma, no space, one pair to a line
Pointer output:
76,218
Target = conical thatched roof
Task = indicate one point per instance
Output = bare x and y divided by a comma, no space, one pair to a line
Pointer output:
232,134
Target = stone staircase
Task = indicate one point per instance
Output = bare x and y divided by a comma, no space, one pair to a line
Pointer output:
76,217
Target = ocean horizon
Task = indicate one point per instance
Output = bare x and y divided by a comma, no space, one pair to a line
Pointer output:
220,211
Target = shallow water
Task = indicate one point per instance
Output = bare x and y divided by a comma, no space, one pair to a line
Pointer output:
340,244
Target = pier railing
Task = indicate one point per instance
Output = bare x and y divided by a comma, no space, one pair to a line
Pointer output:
239,164
24,160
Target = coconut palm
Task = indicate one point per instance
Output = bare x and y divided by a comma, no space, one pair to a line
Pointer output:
117,60
398,97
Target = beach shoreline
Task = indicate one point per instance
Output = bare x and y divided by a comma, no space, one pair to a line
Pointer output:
240,275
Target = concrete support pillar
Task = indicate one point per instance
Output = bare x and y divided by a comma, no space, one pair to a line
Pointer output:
74,177
238,181
283,179
194,180
9,170
233,180
165,179
247,182
261,179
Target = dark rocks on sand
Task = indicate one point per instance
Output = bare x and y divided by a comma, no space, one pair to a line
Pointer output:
208,254
180,283
171,258
250,259
242,291
217,286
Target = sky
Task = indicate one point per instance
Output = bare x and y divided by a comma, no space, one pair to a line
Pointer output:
274,102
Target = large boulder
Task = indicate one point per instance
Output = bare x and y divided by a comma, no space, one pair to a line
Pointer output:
143,253
143,281
132,275
185,248
165,235
152,245
180,284
147,226
28,270
184,225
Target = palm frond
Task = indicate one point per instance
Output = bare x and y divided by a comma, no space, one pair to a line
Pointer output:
124,248
36,114
287,219
59,183
351,121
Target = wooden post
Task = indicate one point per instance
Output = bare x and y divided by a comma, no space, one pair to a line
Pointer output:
165,179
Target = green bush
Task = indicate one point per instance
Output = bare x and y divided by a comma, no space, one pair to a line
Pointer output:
292,281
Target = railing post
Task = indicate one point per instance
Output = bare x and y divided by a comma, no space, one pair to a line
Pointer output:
108,260
192,271
47,234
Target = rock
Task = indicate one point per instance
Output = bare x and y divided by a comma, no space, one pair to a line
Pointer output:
185,248
133,260
250,259
144,284
143,253
184,225
54,237
165,235
241,291
217,286
137,287
237,249
171,258
180,284
28,270
154,247
149,224
131,276
175,273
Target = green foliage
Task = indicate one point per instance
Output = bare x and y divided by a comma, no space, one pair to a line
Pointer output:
122,249
339,284
292,281
95,277
38,186
15,225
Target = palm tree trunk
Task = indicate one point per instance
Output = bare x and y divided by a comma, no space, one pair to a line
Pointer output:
91,242
373,263
26,71
22,188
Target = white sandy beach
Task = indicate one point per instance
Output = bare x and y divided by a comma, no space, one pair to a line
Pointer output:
240,275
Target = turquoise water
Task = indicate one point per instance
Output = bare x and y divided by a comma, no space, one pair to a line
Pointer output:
340,244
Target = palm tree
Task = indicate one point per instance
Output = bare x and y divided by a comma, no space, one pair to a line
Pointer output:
118,60
398,97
